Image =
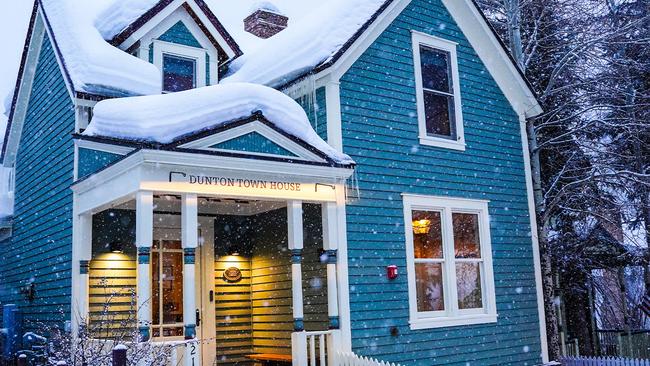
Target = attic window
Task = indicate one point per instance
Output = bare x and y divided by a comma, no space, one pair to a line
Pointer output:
182,67
179,73
438,92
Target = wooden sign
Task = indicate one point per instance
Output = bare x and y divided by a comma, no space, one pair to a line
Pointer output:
232,274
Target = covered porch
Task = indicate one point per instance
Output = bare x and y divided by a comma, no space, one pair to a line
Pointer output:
235,261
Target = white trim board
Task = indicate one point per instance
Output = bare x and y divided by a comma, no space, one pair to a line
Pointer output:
486,45
149,170
99,146
24,91
541,312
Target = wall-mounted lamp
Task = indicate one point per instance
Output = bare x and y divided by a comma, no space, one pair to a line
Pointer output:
232,250
117,247
421,226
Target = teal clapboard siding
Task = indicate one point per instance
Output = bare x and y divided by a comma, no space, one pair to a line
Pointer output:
179,33
380,132
91,161
255,143
40,249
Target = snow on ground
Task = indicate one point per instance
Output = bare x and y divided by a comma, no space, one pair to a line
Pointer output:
167,117
310,40
93,64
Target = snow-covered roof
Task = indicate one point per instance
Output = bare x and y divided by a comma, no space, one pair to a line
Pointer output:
316,32
167,118
91,64
120,14
311,40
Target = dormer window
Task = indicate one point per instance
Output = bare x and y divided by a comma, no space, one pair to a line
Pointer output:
183,67
179,73
440,117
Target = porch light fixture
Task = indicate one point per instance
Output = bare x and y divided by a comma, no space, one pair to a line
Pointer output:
233,251
117,247
421,226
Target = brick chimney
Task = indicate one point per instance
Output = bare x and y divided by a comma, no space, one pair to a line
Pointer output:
265,20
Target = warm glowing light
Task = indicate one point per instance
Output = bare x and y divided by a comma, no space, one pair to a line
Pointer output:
421,226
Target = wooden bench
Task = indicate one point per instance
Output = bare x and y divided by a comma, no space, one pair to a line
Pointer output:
270,358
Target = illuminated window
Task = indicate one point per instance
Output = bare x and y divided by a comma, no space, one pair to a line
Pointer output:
449,262
167,288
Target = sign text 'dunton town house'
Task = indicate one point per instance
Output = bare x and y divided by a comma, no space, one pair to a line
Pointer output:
233,182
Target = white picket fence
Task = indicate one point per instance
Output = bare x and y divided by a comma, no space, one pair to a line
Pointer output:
603,361
351,359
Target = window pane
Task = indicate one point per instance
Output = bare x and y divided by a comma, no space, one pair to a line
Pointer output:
435,69
468,280
172,287
427,234
178,73
467,242
438,111
428,283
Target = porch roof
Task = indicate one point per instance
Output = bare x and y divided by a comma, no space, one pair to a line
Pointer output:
168,121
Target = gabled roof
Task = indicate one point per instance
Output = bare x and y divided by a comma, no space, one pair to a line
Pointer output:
90,64
174,120
123,19
337,32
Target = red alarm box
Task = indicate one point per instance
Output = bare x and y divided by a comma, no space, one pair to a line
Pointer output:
391,272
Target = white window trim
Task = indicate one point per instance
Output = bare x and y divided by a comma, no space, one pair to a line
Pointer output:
451,316
423,39
161,48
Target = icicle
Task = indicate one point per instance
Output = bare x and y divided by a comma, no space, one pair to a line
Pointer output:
353,193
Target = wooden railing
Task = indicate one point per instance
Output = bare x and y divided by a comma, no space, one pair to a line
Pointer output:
324,349
634,344
315,348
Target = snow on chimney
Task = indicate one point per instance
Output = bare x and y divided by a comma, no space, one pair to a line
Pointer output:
265,20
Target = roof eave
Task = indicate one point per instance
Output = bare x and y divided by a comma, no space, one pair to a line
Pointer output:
119,39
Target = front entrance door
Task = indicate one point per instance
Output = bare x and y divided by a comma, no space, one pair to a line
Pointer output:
168,290
205,295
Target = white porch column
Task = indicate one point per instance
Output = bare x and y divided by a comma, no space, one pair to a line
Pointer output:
190,240
331,246
295,237
83,253
143,242
342,270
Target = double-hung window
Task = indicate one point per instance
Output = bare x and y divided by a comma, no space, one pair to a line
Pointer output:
179,73
440,117
182,67
449,261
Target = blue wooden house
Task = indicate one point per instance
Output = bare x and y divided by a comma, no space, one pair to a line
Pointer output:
297,185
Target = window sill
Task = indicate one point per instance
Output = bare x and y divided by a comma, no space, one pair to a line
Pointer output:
431,323
443,143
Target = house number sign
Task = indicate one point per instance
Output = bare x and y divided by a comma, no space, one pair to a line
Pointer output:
232,274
